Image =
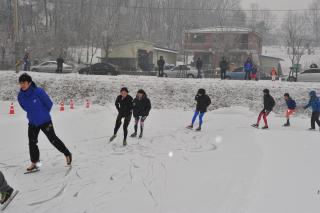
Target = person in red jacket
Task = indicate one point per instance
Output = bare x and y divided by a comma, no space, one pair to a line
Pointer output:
273,73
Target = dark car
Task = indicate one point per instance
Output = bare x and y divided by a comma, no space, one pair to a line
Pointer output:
100,69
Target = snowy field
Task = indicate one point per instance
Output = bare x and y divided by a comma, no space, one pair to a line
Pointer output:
229,167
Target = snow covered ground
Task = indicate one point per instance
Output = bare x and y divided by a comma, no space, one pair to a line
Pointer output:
229,167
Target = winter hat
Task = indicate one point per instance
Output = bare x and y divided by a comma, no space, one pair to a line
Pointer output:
25,77
312,93
266,91
124,89
286,95
202,91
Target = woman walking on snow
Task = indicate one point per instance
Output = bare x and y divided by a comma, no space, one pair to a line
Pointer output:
203,102
268,103
35,101
314,103
141,109
124,106
291,104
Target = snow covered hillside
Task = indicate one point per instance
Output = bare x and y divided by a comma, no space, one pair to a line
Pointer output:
229,167
165,93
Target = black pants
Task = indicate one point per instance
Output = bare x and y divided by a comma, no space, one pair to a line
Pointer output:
315,119
247,76
160,71
199,73
59,69
48,130
223,74
142,120
126,123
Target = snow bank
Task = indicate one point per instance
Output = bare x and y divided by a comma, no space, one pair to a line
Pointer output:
165,93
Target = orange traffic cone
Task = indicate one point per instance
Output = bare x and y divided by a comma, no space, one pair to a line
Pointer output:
88,104
61,106
11,112
71,104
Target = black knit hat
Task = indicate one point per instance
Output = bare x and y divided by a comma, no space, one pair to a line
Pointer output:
25,77
202,91
124,89
141,91
266,91
286,95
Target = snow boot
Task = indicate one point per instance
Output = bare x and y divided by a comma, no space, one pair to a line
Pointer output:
124,142
5,196
198,129
255,125
265,127
69,159
134,135
112,138
287,124
190,127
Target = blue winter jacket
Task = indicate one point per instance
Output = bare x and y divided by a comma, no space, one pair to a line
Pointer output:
314,102
291,104
248,66
37,104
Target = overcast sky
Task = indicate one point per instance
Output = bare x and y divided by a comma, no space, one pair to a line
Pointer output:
278,4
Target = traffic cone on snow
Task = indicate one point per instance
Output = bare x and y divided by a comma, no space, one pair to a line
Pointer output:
88,104
71,104
11,112
61,106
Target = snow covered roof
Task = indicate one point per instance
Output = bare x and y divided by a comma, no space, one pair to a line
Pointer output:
221,30
165,49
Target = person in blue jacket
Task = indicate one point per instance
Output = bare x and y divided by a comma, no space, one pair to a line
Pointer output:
314,103
291,108
248,65
35,101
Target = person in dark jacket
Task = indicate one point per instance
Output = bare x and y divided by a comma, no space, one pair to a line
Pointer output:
5,190
161,62
224,65
199,65
203,102
35,101
60,62
26,62
248,68
314,103
141,109
268,103
124,106
291,108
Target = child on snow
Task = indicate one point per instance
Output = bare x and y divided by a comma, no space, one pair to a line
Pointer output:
268,103
291,104
35,101
141,109
5,190
203,101
314,103
124,106
273,73
254,73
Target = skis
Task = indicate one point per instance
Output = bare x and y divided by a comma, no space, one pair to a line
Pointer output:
6,204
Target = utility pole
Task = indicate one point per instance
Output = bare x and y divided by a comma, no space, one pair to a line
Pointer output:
15,29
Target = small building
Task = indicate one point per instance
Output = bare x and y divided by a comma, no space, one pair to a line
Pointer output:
235,43
139,55
268,62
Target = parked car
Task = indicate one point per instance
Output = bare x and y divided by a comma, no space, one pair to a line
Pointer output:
181,71
309,75
237,74
100,69
51,67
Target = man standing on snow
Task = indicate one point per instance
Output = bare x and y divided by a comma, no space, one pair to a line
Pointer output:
199,65
314,103
223,67
5,190
124,106
291,104
60,62
161,62
35,101
268,103
203,102
248,68
141,109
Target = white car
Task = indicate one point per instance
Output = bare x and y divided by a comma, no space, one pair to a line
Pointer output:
181,71
51,67
309,75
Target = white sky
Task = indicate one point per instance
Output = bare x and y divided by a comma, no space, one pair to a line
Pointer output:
278,4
